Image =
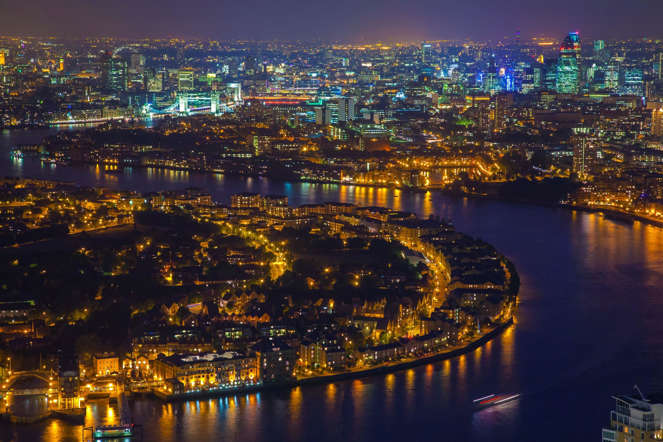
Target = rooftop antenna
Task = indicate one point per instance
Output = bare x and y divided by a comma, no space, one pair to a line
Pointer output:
642,396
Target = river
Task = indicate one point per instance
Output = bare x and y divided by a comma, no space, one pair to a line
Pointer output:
588,327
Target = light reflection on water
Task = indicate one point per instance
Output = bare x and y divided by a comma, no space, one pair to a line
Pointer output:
588,327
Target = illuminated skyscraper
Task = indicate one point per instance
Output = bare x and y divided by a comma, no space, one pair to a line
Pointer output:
633,84
346,108
501,104
599,45
611,77
323,115
113,73
568,65
585,151
426,50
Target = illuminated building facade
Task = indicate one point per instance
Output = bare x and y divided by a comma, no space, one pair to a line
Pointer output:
346,108
114,73
185,79
657,121
105,364
199,371
585,151
634,420
426,50
568,65
633,84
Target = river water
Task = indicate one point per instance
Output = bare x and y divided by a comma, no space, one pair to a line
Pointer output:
588,327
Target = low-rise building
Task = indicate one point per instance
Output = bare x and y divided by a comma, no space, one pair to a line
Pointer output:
105,364
204,371
277,360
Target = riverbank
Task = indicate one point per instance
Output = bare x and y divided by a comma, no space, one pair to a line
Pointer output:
387,367
615,214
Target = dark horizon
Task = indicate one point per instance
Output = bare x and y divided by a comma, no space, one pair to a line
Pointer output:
342,21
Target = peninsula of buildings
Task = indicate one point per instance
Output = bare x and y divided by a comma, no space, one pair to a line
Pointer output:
106,293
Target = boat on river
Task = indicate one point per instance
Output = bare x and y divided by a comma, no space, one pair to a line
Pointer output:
493,399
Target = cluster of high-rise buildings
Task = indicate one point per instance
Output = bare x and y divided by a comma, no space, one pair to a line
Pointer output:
157,77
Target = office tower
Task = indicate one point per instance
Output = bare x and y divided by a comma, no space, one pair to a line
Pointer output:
4,56
137,64
634,419
105,67
426,51
657,121
537,77
611,77
346,108
568,65
113,73
590,73
585,151
501,104
633,84
599,45
324,115
658,66
118,75
185,79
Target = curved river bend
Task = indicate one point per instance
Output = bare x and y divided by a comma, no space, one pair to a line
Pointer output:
588,326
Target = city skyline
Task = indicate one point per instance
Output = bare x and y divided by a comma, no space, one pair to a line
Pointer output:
292,239
340,21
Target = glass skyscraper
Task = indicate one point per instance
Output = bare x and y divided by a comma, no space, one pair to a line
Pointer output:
568,65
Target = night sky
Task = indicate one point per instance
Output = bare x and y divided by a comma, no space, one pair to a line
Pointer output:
341,20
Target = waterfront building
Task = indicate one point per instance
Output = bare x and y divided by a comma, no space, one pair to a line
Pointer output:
277,360
152,344
321,352
568,65
105,364
634,419
245,201
187,372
